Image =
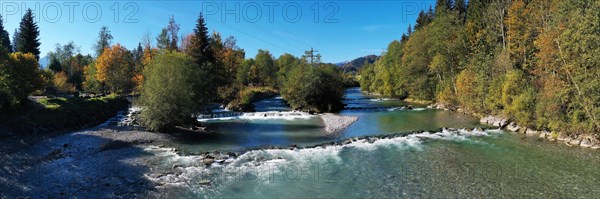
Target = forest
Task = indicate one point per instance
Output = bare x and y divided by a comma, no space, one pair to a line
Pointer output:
534,61
173,80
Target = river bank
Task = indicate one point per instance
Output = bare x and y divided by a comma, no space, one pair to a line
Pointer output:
573,140
49,115
388,152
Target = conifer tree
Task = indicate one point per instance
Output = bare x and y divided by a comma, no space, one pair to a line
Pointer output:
4,38
28,39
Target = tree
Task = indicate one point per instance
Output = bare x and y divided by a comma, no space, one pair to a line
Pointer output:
314,89
522,30
114,68
63,55
173,30
61,83
104,41
200,49
55,65
461,7
15,39
91,84
162,40
28,38
285,63
5,46
168,95
19,77
263,69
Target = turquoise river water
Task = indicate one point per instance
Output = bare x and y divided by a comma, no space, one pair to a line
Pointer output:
420,161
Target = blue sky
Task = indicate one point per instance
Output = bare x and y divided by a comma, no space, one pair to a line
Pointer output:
339,30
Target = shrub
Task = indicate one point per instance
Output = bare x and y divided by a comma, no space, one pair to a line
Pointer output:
169,91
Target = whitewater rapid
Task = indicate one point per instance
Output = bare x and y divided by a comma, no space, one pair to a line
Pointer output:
188,170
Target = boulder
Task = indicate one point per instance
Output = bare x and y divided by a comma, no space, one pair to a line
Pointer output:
231,154
204,182
530,132
500,122
575,142
208,161
513,127
563,138
485,120
544,135
176,166
586,143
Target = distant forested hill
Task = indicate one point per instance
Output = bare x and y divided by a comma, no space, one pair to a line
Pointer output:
355,65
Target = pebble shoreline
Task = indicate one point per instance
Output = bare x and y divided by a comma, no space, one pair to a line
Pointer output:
336,123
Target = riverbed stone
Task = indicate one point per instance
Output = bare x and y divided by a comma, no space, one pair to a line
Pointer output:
531,132
208,161
204,182
544,135
575,142
513,127
586,143
485,120
563,138
231,154
500,122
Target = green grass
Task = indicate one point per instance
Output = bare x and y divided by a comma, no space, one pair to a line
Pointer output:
61,114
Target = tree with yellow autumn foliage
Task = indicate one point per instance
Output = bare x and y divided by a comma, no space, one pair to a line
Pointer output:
114,69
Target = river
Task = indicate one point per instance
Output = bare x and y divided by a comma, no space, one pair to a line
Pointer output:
437,163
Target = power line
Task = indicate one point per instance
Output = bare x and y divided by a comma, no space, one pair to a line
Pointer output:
187,11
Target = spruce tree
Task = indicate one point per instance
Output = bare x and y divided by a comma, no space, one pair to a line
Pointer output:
4,38
200,44
14,40
204,57
28,40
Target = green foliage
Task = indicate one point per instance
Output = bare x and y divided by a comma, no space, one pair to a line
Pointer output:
61,114
356,64
28,40
91,84
314,89
19,77
533,61
262,70
104,41
169,91
5,46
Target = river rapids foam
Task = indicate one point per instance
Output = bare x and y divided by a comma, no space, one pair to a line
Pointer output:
189,169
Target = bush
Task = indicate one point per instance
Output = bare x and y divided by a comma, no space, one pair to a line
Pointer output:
169,91
19,77
247,96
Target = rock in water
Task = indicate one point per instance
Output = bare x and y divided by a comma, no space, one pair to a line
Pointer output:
204,182
208,161
336,123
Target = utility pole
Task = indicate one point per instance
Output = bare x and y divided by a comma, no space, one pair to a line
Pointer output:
312,56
